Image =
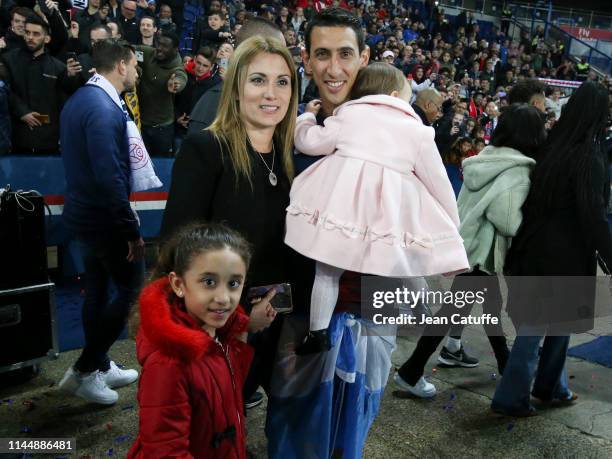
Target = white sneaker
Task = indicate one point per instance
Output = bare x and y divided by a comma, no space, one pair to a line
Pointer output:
116,377
422,388
89,386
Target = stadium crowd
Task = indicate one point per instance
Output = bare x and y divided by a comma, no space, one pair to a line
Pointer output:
184,47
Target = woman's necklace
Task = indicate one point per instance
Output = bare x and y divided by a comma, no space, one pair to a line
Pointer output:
271,176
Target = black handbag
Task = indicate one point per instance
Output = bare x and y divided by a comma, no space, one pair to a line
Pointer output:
22,239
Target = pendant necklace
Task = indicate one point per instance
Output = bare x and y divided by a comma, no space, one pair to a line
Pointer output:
271,176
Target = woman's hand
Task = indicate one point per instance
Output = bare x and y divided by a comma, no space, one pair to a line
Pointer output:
313,106
262,314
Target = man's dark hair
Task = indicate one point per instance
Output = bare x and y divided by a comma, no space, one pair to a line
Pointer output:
147,16
36,20
171,36
21,11
335,17
101,27
108,53
207,52
257,26
520,126
523,91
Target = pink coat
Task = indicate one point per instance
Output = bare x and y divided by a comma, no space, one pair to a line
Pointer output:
381,203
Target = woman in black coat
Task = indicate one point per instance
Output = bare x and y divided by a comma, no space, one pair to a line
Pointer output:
565,234
239,171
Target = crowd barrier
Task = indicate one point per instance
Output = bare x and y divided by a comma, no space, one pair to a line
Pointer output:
45,174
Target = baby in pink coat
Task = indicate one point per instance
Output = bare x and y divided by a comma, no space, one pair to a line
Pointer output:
380,203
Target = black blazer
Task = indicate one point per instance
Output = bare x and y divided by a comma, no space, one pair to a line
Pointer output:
206,188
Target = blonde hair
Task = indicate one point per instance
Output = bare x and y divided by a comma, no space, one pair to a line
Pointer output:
228,127
377,78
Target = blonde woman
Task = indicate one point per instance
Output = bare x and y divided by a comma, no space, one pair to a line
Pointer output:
239,170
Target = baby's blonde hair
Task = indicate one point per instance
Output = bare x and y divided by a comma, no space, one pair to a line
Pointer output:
377,78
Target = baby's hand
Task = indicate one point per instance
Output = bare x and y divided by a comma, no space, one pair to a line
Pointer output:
313,106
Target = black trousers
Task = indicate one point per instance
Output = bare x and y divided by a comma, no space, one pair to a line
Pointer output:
412,370
159,140
104,318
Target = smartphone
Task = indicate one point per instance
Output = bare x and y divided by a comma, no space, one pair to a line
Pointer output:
282,301
71,55
223,62
43,119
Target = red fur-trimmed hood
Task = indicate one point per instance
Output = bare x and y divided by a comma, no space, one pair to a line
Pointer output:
166,326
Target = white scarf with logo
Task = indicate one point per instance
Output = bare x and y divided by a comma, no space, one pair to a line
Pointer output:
143,175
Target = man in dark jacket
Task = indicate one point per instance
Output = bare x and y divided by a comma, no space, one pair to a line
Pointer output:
96,156
128,23
15,37
163,76
38,85
202,75
86,19
97,33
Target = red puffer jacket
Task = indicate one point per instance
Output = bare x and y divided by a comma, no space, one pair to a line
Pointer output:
190,390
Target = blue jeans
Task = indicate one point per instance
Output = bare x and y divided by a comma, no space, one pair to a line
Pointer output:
104,318
513,392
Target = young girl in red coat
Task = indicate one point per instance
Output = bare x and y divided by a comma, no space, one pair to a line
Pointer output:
191,347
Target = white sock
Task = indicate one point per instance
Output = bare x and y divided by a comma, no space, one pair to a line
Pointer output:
453,344
324,295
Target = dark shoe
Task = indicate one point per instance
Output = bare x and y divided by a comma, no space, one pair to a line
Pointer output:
254,401
316,341
457,359
520,414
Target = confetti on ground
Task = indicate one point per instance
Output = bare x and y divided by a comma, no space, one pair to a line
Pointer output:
453,396
121,439
26,429
110,452
9,401
109,425
434,370
448,408
127,407
510,426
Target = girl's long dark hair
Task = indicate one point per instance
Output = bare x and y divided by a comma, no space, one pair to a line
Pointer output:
178,252
571,148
